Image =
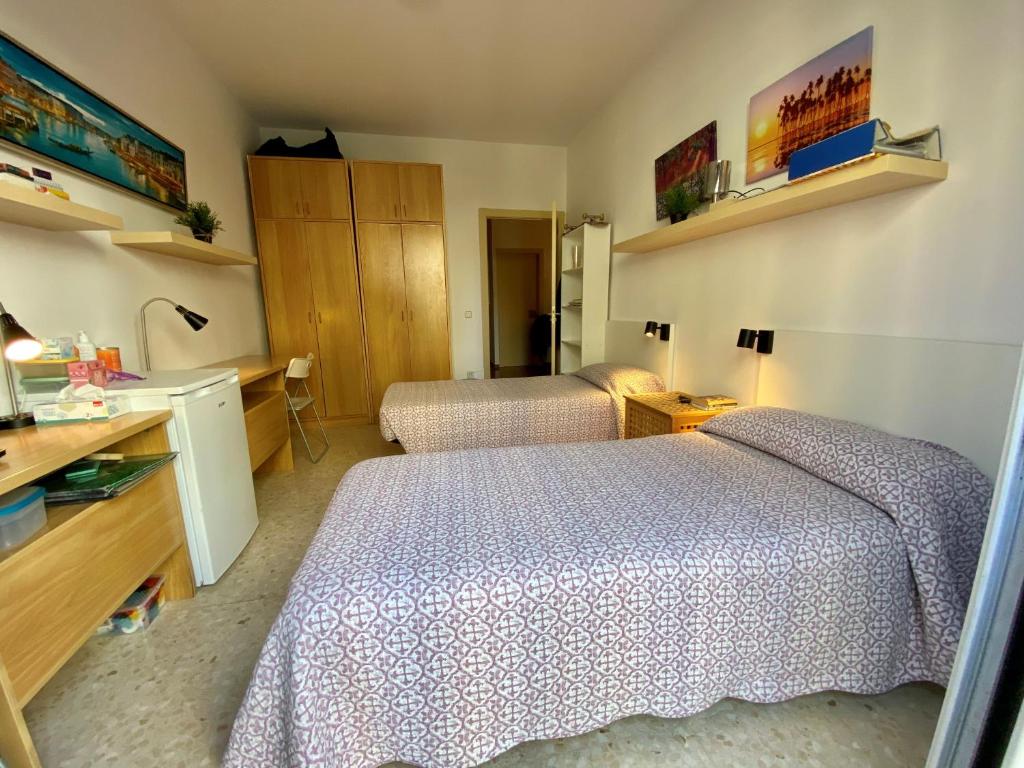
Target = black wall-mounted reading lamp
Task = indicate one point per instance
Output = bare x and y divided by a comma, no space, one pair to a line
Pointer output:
765,340
652,328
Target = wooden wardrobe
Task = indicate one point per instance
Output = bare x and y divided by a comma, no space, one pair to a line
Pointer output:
399,211
370,302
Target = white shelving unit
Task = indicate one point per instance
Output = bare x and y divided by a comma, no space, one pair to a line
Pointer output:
585,268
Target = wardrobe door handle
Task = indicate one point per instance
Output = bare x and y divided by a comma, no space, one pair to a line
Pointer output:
320,318
404,214
309,316
298,208
396,210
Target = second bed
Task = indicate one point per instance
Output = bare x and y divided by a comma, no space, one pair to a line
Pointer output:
584,406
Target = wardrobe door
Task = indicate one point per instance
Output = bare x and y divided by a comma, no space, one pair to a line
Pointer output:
288,295
276,188
420,189
426,297
339,327
384,312
376,191
324,189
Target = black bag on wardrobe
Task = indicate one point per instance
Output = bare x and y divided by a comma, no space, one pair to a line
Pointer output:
327,148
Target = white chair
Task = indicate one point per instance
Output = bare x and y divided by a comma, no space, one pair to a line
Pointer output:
298,371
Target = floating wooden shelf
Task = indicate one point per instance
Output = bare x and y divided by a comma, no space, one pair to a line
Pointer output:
877,176
24,206
572,342
181,246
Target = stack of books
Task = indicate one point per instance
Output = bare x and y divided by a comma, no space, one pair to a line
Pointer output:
709,402
95,479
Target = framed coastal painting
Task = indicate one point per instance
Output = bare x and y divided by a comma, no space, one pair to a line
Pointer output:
47,112
828,94
683,165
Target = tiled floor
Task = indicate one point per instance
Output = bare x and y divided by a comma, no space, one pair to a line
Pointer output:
167,697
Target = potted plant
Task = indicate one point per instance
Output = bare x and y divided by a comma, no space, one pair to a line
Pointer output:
680,202
201,220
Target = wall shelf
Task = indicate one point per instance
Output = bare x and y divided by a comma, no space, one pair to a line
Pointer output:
877,176
25,206
181,246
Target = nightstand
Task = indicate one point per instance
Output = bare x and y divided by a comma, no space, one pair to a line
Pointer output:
661,413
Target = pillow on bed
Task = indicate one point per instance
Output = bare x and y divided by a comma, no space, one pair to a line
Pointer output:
621,379
920,484
618,380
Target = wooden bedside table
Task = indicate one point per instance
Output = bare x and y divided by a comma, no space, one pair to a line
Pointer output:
661,413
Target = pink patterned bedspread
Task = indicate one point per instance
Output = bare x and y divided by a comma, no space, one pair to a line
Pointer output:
453,605
451,415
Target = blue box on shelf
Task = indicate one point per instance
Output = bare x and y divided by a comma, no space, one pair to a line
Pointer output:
849,145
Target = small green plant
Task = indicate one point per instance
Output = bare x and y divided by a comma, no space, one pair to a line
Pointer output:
680,202
201,220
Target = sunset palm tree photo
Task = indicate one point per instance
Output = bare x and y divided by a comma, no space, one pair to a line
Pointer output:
828,94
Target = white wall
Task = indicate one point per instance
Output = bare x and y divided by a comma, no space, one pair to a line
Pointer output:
477,175
58,283
942,261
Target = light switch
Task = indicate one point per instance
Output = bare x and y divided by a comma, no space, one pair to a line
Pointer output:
467,314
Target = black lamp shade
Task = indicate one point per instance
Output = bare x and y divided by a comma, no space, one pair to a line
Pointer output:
746,338
765,342
194,319
650,328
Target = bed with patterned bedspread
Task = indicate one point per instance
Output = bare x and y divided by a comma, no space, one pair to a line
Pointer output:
453,605
451,415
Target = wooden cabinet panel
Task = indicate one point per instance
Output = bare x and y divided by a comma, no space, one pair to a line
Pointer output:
276,188
288,296
376,191
324,189
332,269
383,280
421,192
426,297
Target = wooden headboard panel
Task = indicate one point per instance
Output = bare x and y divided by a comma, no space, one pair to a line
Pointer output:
624,342
956,393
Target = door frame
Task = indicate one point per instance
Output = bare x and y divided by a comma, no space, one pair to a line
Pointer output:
485,216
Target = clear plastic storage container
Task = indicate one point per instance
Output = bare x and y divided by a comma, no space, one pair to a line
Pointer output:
22,513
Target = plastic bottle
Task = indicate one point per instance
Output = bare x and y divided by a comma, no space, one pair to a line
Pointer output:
86,349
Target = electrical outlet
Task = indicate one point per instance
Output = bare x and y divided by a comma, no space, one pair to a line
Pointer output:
474,374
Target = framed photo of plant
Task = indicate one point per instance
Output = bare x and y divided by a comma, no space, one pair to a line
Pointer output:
683,167
47,112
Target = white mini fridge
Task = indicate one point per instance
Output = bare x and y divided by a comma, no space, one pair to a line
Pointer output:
214,477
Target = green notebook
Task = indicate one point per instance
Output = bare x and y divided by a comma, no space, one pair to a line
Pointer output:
84,481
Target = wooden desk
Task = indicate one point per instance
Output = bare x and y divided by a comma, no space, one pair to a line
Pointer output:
266,414
57,587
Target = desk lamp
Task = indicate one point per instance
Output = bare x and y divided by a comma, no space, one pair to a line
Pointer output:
18,344
197,321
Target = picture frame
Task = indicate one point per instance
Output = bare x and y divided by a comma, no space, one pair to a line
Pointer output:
46,112
824,96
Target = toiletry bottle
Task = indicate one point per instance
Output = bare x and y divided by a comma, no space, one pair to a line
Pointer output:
86,349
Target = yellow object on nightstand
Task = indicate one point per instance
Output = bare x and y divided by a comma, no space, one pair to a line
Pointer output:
661,413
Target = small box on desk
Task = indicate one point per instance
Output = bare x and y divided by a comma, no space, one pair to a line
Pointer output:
81,410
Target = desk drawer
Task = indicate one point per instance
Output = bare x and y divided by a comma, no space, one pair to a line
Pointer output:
266,424
56,590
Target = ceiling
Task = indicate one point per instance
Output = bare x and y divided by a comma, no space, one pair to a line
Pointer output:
529,71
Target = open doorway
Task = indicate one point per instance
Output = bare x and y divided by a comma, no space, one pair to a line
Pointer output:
517,267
